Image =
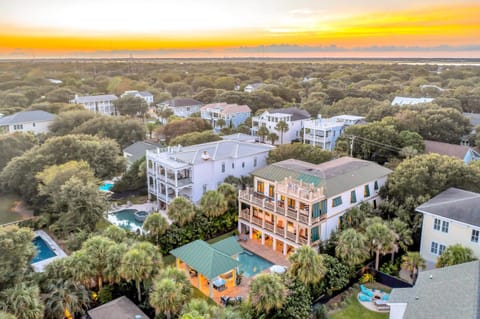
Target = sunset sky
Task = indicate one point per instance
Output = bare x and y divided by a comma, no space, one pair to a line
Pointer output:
203,28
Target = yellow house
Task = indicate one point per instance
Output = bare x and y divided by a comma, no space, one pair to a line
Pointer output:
451,217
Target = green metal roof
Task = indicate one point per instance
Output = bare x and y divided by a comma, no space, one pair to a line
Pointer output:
229,246
205,259
336,176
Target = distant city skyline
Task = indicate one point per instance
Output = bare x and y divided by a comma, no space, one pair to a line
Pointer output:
213,28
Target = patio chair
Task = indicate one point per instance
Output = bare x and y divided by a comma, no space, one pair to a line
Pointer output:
245,237
225,300
238,299
366,291
385,297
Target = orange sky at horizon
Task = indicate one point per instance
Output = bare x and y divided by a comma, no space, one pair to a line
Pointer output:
451,25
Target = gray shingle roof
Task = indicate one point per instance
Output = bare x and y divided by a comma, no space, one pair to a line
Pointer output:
454,150
26,117
455,204
297,114
145,93
445,293
95,98
180,102
120,308
336,176
138,150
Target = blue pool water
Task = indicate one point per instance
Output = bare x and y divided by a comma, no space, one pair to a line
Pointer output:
126,219
105,187
252,264
43,251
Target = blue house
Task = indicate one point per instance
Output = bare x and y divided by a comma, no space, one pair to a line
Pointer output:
232,114
461,152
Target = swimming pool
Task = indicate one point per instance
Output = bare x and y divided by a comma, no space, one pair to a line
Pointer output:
105,187
43,250
251,264
126,219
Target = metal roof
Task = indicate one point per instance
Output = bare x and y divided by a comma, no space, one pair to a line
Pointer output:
296,113
229,246
120,308
400,100
443,293
456,204
180,102
26,117
205,259
336,176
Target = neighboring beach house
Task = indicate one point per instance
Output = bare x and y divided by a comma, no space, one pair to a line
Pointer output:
192,170
181,107
232,114
444,293
145,95
451,217
293,116
35,122
466,154
136,151
325,132
249,88
102,104
296,203
474,119
402,101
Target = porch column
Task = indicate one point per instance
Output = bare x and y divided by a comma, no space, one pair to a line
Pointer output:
263,238
274,245
198,280
297,233
285,248
234,277
178,261
210,287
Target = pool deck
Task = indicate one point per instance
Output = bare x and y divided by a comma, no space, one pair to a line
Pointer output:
40,266
147,207
265,252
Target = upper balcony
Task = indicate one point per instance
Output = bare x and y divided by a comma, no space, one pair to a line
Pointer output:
300,190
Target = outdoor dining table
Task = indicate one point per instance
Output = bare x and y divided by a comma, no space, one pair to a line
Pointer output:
219,282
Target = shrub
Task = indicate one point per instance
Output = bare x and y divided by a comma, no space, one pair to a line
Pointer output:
366,278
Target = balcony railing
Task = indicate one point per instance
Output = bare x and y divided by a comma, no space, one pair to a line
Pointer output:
302,240
280,231
303,218
292,213
257,221
269,226
291,236
245,214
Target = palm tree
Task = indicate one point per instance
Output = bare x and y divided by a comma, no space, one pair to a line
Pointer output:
151,126
180,277
353,218
229,192
306,265
213,204
221,123
282,127
96,249
262,132
198,307
21,301
181,210
4,315
272,137
115,233
381,240
62,296
81,268
114,258
412,262
137,265
267,293
352,247
454,255
156,225
165,297
402,234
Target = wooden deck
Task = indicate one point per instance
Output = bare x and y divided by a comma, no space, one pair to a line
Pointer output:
266,252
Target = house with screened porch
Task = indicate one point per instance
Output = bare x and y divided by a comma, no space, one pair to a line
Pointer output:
295,203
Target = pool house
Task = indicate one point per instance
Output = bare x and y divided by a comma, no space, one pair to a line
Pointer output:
210,266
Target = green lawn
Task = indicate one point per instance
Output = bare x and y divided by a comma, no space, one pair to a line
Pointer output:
354,310
6,204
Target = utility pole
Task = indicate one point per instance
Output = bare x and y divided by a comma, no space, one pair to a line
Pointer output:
352,139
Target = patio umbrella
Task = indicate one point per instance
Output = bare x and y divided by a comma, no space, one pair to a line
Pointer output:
277,269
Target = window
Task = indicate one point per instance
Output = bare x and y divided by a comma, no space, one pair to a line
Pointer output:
290,202
204,188
445,227
436,224
353,197
375,186
441,249
337,201
271,190
260,187
475,235
223,167
243,164
315,234
434,248
33,124
255,162
233,165
366,191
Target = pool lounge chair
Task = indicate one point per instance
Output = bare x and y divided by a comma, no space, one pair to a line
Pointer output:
366,291
385,297
364,298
